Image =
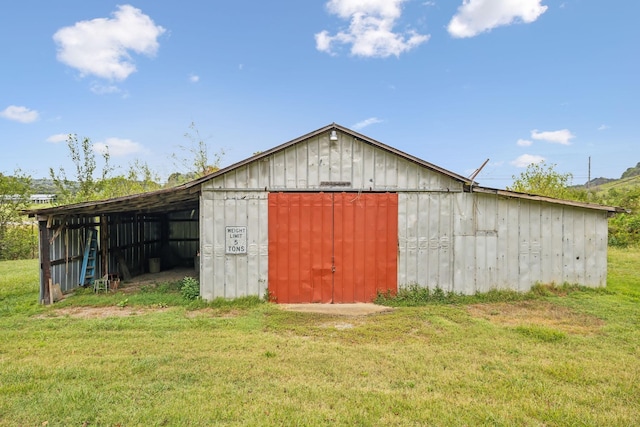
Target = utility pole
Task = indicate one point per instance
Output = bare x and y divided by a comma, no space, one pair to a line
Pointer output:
589,175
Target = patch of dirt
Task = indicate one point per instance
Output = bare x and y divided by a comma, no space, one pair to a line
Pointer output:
537,313
212,312
341,326
154,279
128,287
98,312
358,309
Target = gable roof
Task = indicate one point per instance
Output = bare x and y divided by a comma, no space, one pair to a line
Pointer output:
347,131
186,196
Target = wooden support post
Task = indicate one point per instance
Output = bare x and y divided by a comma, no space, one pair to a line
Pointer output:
104,244
45,262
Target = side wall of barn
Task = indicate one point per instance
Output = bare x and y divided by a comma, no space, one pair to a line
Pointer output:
471,242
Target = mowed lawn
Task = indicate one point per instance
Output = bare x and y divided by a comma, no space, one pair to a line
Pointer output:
149,359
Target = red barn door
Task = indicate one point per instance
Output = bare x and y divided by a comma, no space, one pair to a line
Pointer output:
332,247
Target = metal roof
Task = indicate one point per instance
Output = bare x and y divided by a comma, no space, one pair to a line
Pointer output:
183,197
514,194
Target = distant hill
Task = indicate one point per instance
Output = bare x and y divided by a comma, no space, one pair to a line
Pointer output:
597,181
42,186
634,171
619,184
629,178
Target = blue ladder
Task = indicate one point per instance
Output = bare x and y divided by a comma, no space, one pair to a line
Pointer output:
88,272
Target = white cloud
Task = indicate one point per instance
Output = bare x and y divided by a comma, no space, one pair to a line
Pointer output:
524,143
603,127
118,147
367,122
102,46
562,136
477,16
370,31
19,114
100,89
527,159
194,78
58,138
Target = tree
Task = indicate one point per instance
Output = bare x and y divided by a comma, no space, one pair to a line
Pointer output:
86,186
139,179
624,228
543,180
14,197
198,162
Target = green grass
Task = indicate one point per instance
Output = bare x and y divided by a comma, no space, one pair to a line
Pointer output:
552,358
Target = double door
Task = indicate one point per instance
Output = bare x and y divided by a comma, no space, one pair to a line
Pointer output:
332,247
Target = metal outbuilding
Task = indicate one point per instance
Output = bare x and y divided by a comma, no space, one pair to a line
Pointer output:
335,217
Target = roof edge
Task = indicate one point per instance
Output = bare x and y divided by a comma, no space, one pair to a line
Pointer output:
535,197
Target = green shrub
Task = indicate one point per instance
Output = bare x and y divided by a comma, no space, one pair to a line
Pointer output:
624,230
190,288
19,242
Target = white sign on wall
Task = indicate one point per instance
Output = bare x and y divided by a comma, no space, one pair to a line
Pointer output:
236,240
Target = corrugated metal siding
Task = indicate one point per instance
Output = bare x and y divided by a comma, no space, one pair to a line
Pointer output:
498,243
69,243
425,250
349,160
226,275
137,238
184,234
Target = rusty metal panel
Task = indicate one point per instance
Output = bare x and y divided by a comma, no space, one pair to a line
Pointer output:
365,246
332,247
300,247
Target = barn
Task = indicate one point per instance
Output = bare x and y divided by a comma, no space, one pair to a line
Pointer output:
330,217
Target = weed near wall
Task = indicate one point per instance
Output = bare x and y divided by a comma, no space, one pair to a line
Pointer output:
190,288
415,296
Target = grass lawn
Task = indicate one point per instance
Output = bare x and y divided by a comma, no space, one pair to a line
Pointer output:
153,359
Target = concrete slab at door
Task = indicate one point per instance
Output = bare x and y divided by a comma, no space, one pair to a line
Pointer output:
300,247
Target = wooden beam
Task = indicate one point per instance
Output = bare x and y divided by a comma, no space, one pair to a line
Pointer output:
104,244
45,262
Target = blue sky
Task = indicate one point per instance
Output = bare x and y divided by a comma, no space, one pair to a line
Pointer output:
452,82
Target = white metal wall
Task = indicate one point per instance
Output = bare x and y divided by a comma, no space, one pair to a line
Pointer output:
425,245
309,164
233,275
470,242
